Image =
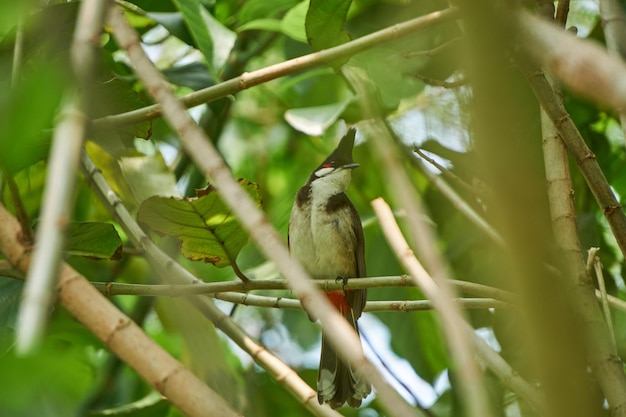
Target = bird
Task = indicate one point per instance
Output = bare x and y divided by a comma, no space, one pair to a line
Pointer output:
326,236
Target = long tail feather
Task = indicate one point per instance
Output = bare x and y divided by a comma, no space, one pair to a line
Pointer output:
337,383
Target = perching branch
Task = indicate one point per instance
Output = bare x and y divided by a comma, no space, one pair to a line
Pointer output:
341,336
282,69
39,291
371,306
200,287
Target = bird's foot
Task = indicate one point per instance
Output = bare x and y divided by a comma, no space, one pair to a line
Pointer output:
344,280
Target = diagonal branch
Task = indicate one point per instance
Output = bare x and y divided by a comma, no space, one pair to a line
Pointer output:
341,336
454,198
119,333
585,159
472,388
404,254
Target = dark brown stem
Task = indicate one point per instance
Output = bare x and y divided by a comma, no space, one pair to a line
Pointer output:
27,232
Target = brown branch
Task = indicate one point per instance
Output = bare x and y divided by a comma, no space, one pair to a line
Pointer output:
585,159
20,210
561,13
341,336
119,333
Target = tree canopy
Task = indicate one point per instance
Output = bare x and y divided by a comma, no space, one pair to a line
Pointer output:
151,151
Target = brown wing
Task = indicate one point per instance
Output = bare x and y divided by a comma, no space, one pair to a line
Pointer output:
357,298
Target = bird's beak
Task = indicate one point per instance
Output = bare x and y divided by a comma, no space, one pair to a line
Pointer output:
351,166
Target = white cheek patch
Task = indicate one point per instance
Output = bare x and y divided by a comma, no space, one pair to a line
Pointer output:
324,171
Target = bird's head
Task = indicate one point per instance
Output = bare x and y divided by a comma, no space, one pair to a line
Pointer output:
334,174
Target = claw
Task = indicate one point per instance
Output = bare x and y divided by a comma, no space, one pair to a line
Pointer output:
344,280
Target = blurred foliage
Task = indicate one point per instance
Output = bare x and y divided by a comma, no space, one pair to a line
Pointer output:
263,135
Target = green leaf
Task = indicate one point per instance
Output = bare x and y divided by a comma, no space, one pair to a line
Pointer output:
324,23
223,40
272,25
22,142
192,14
315,120
10,292
133,176
204,226
259,9
292,24
212,39
94,240
118,96
194,75
175,24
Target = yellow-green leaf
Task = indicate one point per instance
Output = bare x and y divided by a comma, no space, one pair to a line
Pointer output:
205,227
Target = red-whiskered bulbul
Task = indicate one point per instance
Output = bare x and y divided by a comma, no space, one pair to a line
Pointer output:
326,236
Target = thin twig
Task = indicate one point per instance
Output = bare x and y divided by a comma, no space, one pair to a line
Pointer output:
370,306
432,52
594,260
454,198
395,375
444,171
39,291
199,287
200,148
282,69
439,83
22,215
